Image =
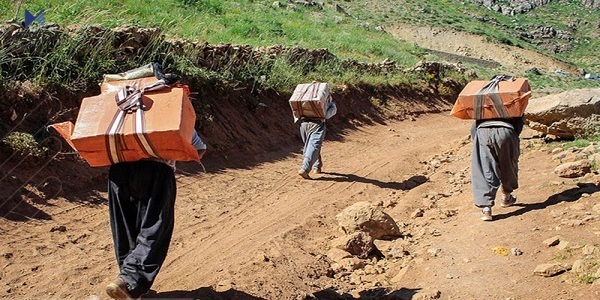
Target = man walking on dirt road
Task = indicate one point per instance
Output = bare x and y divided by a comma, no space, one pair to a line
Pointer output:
495,162
312,132
141,199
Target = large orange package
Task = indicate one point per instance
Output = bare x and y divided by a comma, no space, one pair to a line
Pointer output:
159,124
310,100
499,98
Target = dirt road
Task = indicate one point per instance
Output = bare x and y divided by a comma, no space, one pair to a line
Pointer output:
261,232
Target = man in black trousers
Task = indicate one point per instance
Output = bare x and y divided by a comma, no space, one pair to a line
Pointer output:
141,199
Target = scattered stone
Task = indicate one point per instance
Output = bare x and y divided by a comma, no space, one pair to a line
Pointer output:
593,4
433,252
590,250
348,265
590,150
392,249
224,286
563,245
400,276
398,251
365,217
428,295
358,243
577,206
597,274
579,266
549,270
573,169
417,213
60,228
516,251
573,223
556,150
336,255
595,159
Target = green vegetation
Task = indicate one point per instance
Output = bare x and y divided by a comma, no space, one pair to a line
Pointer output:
470,17
262,23
235,22
24,144
80,61
581,142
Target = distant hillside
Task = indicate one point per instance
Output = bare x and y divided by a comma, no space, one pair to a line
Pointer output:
566,30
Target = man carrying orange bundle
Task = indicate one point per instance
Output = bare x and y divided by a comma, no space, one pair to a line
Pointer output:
497,106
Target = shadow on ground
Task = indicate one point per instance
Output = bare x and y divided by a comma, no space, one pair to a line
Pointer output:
372,294
406,185
203,293
207,293
569,195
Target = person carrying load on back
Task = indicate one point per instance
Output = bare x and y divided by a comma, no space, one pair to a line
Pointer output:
312,131
495,162
497,106
141,199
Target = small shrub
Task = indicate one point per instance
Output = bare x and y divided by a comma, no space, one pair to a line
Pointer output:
210,6
24,144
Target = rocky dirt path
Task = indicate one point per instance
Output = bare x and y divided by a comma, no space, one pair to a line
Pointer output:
263,232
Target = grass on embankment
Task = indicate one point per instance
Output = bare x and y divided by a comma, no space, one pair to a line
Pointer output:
235,22
263,24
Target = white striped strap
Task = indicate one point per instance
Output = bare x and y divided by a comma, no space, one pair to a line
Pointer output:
491,90
129,100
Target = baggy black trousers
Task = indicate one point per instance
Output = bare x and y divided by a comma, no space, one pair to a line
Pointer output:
141,198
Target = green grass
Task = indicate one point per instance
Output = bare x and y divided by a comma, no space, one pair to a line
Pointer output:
582,142
235,22
259,23
469,17
82,61
24,144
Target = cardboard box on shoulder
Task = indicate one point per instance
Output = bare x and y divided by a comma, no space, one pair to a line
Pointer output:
104,134
310,100
478,100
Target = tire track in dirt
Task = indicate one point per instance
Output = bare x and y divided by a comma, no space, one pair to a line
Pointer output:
285,203
223,220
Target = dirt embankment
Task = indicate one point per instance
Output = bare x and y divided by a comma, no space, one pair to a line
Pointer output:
237,124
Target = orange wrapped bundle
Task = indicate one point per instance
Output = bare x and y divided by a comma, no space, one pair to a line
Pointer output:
310,100
147,119
503,97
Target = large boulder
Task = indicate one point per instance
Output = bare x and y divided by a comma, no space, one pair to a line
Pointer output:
365,217
573,169
566,115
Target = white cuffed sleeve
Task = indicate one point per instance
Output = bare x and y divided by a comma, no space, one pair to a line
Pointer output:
331,110
197,142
